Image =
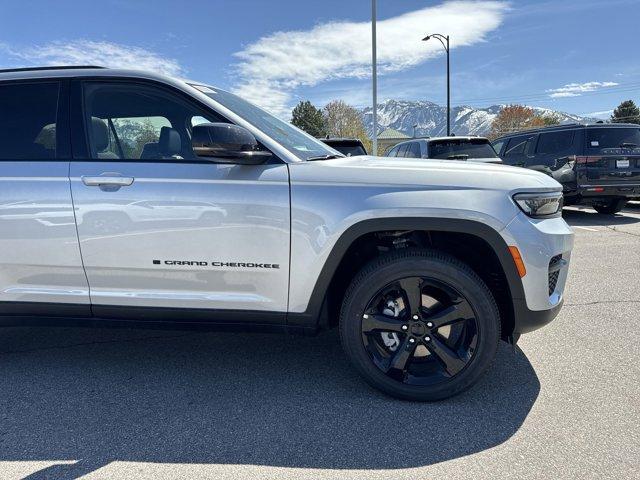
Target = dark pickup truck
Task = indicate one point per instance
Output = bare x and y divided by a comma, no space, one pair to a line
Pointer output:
597,164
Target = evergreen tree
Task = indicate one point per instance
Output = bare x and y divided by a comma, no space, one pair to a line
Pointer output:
309,118
627,112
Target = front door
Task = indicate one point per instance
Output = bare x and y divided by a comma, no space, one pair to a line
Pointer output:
160,227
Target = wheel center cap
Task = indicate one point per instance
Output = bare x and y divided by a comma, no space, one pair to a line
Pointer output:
418,329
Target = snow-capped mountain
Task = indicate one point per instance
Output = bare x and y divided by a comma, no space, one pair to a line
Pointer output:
431,119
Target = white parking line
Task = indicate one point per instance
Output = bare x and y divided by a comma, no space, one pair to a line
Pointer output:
586,228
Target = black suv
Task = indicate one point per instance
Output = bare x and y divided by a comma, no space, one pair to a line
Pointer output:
597,164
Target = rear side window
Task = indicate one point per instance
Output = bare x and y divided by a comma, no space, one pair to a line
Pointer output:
555,142
612,137
516,147
413,150
28,121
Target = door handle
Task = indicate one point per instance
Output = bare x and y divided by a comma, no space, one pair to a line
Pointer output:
107,181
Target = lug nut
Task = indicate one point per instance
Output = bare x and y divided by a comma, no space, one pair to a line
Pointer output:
412,340
429,324
427,338
405,327
415,317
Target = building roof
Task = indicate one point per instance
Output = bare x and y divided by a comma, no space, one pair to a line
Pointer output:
390,133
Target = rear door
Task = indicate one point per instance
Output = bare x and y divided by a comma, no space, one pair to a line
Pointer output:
553,148
40,265
612,157
160,227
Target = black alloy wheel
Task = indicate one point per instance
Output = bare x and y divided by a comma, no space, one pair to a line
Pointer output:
419,324
415,343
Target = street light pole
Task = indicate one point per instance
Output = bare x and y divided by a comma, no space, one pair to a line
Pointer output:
444,40
374,76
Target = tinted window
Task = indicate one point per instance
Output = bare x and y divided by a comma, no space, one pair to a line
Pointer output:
497,146
555,142
139,122
28,121
413,150
612,137
515,147
350,150
461,149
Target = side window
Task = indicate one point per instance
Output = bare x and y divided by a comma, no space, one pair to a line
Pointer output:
516,149
497,146
413,150
553,143
392,152
402,150
28,121
139,122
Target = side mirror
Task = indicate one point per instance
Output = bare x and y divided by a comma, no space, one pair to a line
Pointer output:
227,143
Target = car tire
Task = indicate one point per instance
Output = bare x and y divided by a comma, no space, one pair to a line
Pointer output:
610,207
448,285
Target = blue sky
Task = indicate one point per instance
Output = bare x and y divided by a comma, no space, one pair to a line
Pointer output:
579,56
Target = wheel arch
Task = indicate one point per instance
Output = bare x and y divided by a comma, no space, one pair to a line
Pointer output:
317,314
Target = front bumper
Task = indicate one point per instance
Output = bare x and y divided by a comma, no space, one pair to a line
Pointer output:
529,320
541,243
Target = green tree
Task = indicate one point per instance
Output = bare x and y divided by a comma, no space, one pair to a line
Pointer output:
309,118
345,121
626,112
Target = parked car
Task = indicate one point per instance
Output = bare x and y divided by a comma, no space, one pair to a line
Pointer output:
597,164
424,266
350,147
473,149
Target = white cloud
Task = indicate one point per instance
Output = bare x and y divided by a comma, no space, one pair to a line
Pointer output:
577,89
89,52
271,68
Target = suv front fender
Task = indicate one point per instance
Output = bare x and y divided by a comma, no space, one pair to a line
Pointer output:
308,319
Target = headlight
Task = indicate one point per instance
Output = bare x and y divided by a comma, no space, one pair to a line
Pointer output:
540,205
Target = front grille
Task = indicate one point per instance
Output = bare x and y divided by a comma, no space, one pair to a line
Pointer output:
554,272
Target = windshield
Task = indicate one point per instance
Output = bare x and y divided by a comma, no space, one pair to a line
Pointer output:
612,137
461,148
297,142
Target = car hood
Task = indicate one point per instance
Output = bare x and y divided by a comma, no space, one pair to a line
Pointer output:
420,172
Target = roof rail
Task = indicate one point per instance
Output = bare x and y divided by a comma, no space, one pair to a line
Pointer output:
53,67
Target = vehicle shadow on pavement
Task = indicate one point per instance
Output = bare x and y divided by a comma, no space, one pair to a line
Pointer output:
97,396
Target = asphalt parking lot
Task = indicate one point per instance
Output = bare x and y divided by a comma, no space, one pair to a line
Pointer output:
81,403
